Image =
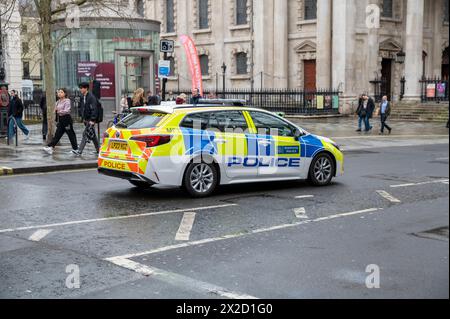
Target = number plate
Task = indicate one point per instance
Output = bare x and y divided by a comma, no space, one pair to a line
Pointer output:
118,146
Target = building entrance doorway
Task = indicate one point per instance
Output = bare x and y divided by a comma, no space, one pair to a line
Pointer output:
386,78
133,70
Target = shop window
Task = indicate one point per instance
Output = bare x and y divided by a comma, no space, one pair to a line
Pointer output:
310,9
204,64
203,22
170,16
241,12
387,9
241,63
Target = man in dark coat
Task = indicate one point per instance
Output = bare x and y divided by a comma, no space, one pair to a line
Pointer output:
89,109
15,113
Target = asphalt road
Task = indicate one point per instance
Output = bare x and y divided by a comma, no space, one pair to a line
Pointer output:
275,240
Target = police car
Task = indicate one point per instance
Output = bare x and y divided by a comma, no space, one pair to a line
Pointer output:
202,146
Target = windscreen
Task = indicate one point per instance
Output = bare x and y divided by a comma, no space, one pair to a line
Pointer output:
140,120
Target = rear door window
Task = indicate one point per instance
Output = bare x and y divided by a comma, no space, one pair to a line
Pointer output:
228,121
197,121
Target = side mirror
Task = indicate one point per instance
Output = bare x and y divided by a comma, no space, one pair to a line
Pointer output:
297,134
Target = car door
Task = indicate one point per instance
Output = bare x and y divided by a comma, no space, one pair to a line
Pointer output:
278,148
229,127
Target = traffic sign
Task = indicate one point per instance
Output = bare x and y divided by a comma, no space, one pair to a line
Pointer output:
167,46
164,69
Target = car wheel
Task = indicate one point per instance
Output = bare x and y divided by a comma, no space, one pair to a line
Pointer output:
141,184
322,170
200,179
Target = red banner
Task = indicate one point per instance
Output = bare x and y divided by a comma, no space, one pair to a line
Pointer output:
104,73
194,62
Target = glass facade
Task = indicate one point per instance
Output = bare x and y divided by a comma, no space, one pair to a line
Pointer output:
85,50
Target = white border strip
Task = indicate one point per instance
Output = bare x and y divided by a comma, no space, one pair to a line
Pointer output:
256,231
116,218
421,183
388,196
177,279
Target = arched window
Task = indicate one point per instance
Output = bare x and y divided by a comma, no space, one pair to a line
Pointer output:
203,22
310,9
241,12
387,11
241,63
170,20
204,64
140,7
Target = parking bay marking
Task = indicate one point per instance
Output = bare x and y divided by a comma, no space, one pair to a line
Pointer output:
388,196
300,213
255,231
304,196
184,231
177,279
116,218
39,234
443,181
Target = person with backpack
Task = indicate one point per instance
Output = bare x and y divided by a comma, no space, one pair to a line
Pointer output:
91,113
65,123
15,113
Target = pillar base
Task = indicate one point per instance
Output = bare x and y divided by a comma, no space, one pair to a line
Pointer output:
411,99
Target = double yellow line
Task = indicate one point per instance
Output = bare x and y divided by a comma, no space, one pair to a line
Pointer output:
6,171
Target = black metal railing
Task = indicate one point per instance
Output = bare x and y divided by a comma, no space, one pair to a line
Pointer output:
380,88
289,101
434,89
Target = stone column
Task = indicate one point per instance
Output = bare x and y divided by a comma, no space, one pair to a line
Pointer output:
437,38
413,49
281,42
339,43
323,72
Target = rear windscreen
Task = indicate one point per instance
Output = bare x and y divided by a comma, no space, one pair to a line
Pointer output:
141,120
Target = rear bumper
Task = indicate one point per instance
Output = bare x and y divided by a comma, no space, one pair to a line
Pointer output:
131,176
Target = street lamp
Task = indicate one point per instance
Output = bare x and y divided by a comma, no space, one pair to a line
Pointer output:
224,70
400,57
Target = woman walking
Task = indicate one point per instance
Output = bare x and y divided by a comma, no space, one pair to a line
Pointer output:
138,98
65,123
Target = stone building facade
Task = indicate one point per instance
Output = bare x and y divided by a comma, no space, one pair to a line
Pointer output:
313,44
11,44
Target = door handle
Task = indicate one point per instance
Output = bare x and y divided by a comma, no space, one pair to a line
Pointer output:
220,141
264,142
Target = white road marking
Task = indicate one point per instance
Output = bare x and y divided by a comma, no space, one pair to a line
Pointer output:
388,196
421,183
177,279
300,212
304,196
256,231
441,159
39,234
184,231
445,183
84,221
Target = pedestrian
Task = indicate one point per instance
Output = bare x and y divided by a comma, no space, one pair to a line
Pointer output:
212,95
43,106
65,123
89,105
15,113
138,98
181,99
152,99
170,97
385,111
4,104
195,96
365,109
124,104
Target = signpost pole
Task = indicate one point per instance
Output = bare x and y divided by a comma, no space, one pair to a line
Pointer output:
164,80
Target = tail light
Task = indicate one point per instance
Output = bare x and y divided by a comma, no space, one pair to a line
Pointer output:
152,140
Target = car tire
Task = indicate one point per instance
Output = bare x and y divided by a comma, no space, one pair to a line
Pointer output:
200,179
141,184
321,170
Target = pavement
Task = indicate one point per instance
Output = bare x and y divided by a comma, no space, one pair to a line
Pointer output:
379,231
28,156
